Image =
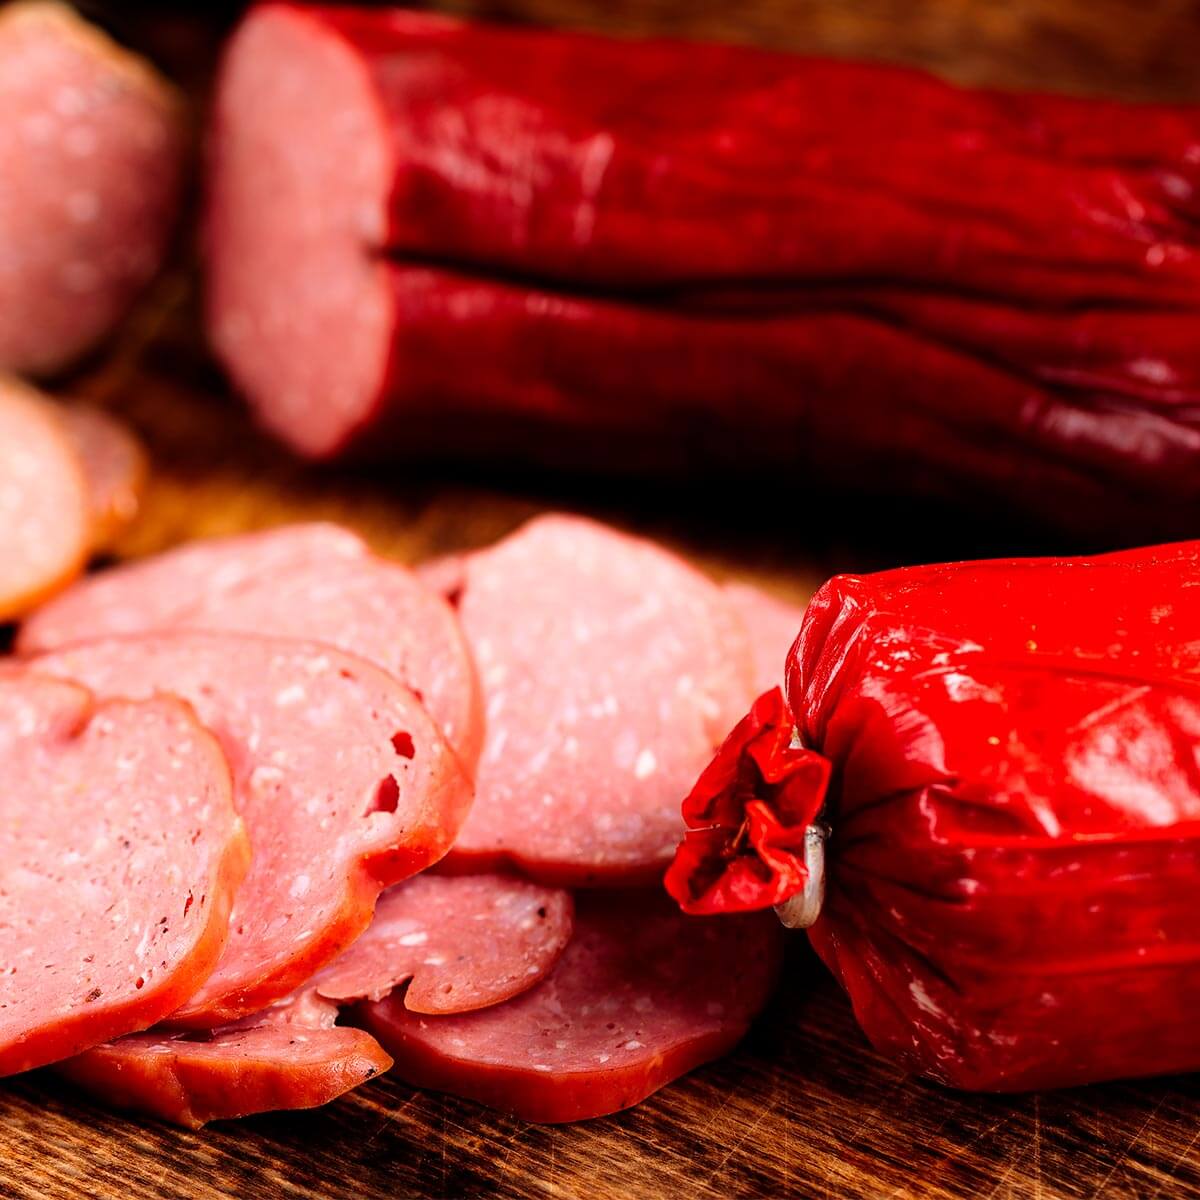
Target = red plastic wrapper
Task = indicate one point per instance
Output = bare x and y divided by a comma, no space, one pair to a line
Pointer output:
1013,866
748,817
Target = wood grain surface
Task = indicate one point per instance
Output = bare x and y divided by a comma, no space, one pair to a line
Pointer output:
803,1108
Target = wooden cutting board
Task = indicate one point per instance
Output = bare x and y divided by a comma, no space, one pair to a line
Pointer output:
804,1108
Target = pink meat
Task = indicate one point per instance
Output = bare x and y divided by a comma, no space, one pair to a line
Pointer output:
443,574
288,1058
45,528
114,468
347,597
91,154
461,943
345,784
120,853
640,996
304,1007
377,610
285,79
610,670
772,625
154,593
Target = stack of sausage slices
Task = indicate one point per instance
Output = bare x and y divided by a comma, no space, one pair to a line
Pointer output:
278,815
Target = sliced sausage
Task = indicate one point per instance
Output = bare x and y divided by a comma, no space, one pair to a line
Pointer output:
91,154
114,467
377,610
772,625
313,582
121,853
461,943
640,996
345,784
464,943
44,518
610,670
153,593
289,1059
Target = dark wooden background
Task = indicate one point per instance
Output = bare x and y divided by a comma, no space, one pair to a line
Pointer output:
804,1108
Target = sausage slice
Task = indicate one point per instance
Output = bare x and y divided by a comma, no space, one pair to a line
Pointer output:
610,670
460,943
45,526
114,467
772,625
463,942
640,996
121,852
306,581
155,593
286,1058
345,784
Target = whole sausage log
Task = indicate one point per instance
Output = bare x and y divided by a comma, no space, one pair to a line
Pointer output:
1004,757
562,248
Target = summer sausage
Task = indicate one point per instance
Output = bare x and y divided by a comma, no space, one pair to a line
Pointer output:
458,942
640,996
609,669
91,154
45,524
445,945
345,784
735,262
992,768
114,467
155,593
287,1058
121,853
377,610
279,583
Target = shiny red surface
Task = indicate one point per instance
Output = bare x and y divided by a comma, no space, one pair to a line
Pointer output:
653,254
747,817
1013,880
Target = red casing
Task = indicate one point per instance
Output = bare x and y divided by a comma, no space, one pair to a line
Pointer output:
1014,878
664,255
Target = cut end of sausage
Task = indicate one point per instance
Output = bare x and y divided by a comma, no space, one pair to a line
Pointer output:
45,524
299,306
121,852
91,147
